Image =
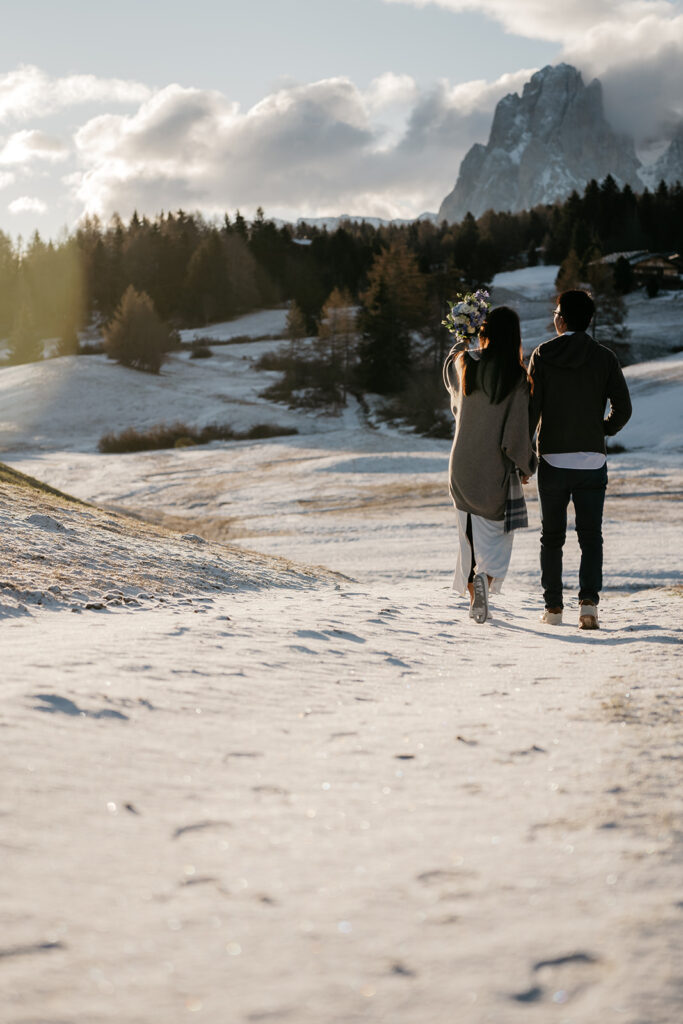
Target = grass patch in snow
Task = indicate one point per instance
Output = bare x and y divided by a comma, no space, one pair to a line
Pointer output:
422,405
200,349
307,381
180,435
13,476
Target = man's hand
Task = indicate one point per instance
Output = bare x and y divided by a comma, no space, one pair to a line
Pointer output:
525,479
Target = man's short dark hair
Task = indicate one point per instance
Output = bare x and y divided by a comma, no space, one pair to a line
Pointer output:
576,309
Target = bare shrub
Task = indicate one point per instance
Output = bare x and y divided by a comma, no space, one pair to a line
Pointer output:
200,349
273,361
261,431
180,435
307,384
423,405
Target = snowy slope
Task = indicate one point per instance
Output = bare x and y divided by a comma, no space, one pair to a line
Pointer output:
263,322
267,793
74,400
654,326
529,282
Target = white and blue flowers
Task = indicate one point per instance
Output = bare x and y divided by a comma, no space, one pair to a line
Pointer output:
467,313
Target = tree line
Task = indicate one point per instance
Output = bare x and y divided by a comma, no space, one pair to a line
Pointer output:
196,271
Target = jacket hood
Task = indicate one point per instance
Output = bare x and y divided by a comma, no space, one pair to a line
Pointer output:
569,350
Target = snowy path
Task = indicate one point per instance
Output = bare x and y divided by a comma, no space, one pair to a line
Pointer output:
345,801
241,789
359,807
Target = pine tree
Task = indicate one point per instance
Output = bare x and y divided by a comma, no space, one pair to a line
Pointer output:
241,272
610,309
206,283
9,269
623,276
69,311
569,274
337,336
136,336
295,330
240,226
392,306
25,345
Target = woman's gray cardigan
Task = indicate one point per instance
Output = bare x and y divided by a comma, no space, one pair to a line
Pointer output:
490,441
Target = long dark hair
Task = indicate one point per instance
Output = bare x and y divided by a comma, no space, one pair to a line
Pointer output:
500,366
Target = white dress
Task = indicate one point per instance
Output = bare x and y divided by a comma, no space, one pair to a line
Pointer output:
492,551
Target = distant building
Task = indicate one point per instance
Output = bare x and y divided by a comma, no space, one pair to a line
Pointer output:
666,268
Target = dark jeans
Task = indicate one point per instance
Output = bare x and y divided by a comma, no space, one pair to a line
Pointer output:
586,488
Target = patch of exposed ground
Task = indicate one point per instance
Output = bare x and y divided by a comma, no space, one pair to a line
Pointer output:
61,552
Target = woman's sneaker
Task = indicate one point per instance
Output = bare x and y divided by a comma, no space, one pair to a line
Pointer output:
588,615
480,606
552,616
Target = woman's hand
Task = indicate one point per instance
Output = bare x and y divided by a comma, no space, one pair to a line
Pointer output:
525,479
460,346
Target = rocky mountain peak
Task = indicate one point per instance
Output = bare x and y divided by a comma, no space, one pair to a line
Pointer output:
669,166
543,144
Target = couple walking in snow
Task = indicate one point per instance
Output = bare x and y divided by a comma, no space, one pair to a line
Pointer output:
498,407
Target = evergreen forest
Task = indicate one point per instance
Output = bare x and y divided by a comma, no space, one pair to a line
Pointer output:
198,272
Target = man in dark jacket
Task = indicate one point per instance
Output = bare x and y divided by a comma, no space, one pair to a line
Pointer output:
573,378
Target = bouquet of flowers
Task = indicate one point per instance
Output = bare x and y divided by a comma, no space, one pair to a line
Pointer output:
467,314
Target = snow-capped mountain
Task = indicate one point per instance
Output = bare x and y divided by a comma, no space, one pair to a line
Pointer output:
669,166
543,144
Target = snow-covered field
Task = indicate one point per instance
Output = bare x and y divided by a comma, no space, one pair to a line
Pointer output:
238,789
655,326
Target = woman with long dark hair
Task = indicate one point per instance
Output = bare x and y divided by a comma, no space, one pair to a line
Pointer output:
491,450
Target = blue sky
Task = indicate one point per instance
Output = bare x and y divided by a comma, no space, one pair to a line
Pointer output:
247,48
307,107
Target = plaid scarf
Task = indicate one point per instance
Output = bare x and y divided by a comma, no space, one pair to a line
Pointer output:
515,507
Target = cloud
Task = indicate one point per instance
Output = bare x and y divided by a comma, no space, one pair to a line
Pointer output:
27,204
538,19
641,67
6,179
26,146
391,149
29,92
389,90
635,48
388,150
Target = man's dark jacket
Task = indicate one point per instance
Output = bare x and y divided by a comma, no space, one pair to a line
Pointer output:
573,379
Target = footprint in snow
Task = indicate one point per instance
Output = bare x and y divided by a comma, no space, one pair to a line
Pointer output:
30,949
10,611
44,522
346,636
199,826
571,958
468,743
401,970
52,703
531,995
439,875
563,977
